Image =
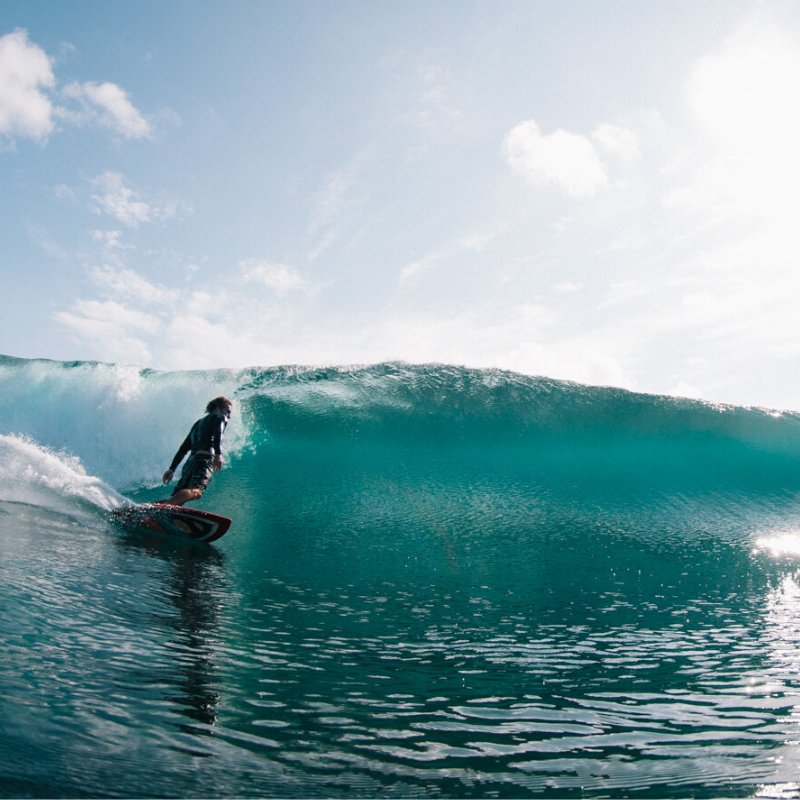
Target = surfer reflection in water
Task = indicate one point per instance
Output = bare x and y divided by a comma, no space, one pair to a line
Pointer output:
204,442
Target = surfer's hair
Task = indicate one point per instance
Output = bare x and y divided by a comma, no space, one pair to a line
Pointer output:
218,404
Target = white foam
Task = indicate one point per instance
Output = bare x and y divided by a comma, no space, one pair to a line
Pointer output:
125,423
30,473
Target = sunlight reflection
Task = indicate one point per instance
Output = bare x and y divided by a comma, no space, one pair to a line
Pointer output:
783,623
780,791
783,544
781,638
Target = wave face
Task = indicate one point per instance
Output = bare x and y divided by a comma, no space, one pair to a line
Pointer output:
439,581
470,438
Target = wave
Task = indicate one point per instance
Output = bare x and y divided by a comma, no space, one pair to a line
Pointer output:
458,581
393,433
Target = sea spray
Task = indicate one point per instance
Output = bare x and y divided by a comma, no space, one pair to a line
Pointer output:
123,422
37,476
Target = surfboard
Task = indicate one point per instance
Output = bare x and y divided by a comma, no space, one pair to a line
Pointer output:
188,523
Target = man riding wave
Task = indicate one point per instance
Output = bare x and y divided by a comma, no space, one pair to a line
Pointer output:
204,443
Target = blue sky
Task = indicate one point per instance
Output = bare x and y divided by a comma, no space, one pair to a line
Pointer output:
601,191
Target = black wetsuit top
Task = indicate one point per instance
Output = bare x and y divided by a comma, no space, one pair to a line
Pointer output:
206,434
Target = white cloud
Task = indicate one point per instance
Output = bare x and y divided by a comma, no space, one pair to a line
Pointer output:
128,318
64,192
27,85
126,283
342,191
565,160
111,240
108,105
473,243
25,72
114,330
277,277
623,292
567,288
432,112
410,271
194,339
115,314
333,208
522,338
620,142
582,359
335,196
116,199
134,320
119,201
683,389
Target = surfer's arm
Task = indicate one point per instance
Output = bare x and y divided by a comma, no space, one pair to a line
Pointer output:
182,451
216,442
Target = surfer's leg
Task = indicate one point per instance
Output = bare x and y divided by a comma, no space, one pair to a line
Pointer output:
195,476
183,496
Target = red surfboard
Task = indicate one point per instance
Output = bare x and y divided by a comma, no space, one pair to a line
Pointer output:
188,523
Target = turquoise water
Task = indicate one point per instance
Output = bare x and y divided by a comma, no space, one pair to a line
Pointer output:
439,583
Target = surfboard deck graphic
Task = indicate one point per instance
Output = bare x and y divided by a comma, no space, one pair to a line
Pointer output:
188,523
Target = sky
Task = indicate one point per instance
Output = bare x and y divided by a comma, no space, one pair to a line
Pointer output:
605,191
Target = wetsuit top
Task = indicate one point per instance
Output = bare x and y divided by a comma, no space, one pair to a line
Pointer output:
206,434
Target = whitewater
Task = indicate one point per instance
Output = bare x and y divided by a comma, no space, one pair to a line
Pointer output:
439,582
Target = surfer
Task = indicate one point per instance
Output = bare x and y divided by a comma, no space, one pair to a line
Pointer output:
204,442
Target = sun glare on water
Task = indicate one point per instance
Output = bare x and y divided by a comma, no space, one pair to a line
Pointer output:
779,544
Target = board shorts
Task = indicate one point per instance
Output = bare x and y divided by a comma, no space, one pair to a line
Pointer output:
196,473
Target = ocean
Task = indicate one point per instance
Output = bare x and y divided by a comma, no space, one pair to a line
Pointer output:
439,582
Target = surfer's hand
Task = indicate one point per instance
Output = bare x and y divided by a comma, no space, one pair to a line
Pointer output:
217,463
167,476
